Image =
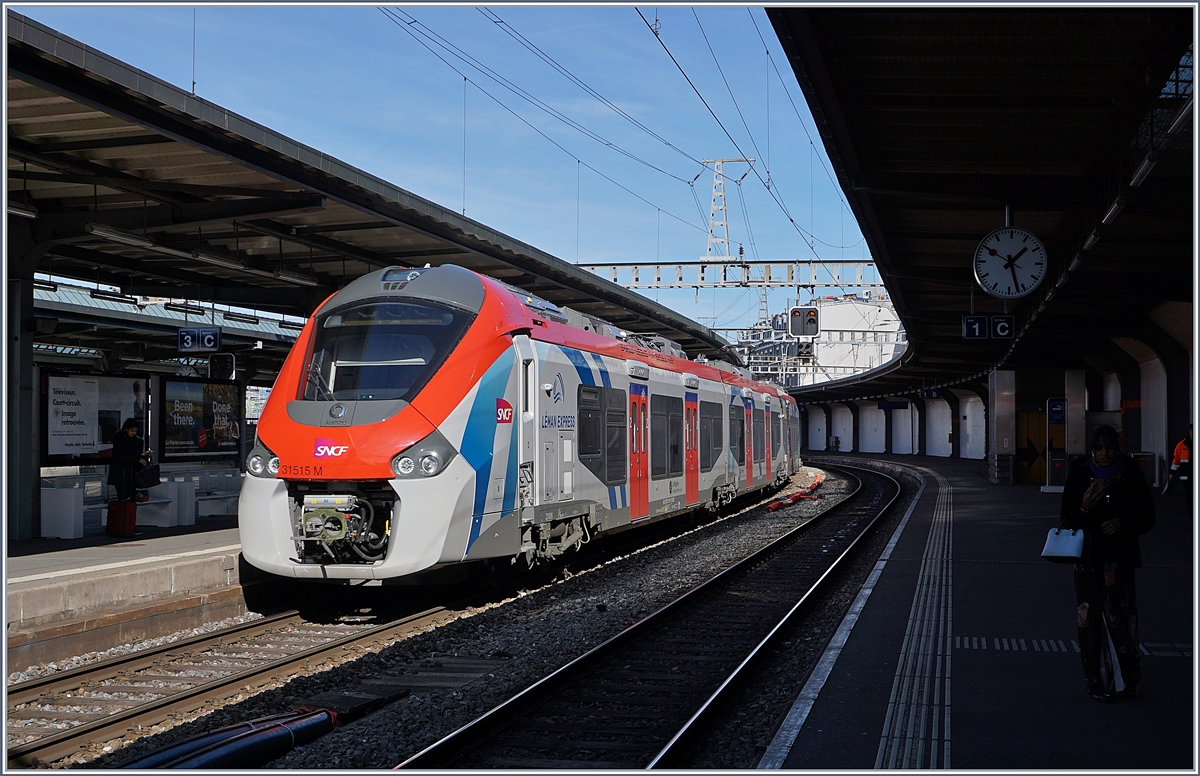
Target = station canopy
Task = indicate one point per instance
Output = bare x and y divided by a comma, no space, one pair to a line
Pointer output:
138,184
1076,121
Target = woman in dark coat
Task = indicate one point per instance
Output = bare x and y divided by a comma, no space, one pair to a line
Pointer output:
1107,496
129,454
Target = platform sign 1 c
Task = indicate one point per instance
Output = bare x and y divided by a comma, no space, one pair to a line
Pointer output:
981,327
203,340
975,327
1003,326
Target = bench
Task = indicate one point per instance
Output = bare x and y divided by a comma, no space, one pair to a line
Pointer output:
75,504
215,492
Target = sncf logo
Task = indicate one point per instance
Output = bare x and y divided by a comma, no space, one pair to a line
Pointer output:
328,448
504,411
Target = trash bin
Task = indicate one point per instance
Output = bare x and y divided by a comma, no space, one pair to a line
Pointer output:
1149,467
1056,467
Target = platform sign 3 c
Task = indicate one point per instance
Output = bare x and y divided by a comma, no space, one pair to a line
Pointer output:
202,340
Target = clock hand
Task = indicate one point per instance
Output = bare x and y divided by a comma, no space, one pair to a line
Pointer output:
1016,282
1013,259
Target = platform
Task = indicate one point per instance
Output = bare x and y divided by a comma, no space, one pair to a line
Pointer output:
107,591
963,656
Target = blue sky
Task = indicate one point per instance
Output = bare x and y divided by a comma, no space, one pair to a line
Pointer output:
352,82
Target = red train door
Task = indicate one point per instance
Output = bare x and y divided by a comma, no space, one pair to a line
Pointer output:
769,460
691,447
639,454
749,440
785,426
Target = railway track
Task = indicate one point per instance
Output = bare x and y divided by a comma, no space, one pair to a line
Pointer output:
56,716
640,699
52,717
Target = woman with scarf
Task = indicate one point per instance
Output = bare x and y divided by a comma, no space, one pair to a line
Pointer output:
129,455
1107,496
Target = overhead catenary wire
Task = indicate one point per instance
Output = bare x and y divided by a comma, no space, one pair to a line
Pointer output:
540,104
542,55
828,172
728,88
770,192
406,27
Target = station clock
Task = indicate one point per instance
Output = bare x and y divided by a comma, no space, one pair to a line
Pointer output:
1010,262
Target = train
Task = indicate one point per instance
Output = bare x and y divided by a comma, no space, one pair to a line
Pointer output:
427,417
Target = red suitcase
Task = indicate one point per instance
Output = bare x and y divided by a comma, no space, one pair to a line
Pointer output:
122,518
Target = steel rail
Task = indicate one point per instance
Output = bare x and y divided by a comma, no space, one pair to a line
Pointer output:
447,749
671,754
31,690
58,745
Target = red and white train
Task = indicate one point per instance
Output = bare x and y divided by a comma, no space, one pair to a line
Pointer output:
428,417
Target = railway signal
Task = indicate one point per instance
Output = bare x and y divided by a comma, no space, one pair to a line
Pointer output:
804,322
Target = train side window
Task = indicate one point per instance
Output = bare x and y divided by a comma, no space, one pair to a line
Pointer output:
527,376
602,433
776,435
759,433
615,465
710,434
591,430
666,436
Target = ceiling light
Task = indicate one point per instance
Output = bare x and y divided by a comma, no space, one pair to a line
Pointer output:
113,296
290,325
218,261
24,211
1062,280
117,236
1114,210
45,285
1181,117
240,317
293,277
1144,169
1075,262
185,308
1092,239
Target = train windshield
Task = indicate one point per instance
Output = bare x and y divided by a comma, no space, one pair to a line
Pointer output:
381,350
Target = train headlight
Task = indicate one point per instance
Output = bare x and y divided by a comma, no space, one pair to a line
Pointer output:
262,462
403,466
431,464
426,458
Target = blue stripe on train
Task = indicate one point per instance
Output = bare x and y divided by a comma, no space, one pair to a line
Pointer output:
479,438
603,372
580,363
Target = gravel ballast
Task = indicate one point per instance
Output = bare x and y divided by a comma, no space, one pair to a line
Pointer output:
528,636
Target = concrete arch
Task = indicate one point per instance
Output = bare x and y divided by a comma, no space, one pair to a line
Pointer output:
938,428
872,428
841,428
972,424
1153,398
818,427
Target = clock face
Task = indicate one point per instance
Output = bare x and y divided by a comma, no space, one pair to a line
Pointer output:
1010,263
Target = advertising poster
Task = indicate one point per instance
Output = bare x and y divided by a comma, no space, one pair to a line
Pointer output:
85,412
200,419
